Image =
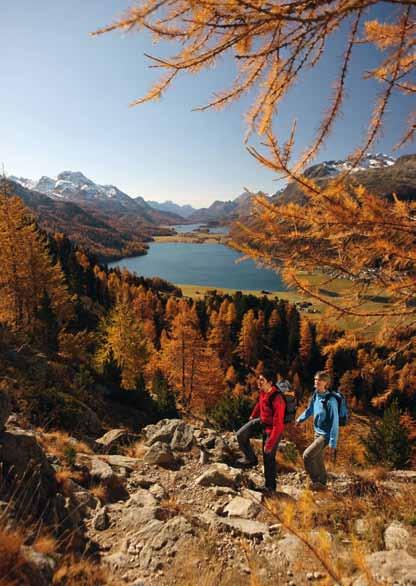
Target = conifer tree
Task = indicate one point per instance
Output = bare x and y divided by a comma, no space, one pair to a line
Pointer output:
388,440
27,270
125,343
248,342
182,353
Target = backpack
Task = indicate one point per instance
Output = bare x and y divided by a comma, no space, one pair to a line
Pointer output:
289,398
342,406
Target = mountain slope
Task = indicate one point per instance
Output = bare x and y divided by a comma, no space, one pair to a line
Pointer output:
379,174
173,208
74,186
224,211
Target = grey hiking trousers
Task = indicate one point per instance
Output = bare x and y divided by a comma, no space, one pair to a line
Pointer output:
244,434
313,458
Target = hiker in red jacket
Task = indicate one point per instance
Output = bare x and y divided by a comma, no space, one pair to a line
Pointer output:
269,413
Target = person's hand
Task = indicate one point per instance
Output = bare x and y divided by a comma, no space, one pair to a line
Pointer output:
333,455
297,423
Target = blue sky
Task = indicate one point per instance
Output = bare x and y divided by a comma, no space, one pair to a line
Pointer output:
64,105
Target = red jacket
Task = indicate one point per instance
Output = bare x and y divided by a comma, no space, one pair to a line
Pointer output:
272,415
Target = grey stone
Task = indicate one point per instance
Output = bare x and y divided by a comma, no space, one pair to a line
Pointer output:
242,507
160,454
101,520
100,471
25,463
219,475
157,491
162,431
396,536
113,439
183,437
291,547
40,567
394,567
246,527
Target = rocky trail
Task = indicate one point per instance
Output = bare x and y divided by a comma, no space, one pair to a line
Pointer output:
179,513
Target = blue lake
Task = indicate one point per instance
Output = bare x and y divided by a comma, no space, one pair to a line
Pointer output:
210,265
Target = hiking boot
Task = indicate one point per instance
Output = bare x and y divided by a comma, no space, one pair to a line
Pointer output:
246,463
318,486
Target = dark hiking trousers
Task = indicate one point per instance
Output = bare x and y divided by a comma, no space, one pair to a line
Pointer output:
313,458
244,434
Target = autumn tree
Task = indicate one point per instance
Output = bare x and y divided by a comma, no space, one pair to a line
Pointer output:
182,354
248,341
33,292
341,231
124,342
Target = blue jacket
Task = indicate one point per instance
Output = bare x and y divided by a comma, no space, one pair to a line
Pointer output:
325,418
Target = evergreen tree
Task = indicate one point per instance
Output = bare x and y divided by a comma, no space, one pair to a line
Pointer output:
125,342
388,441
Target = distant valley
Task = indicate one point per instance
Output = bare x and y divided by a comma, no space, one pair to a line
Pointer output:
112,224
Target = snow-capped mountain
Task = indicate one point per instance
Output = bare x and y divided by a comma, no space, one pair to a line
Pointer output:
75,187
379,173
369,161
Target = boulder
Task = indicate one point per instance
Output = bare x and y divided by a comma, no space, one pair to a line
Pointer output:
5,409
139,509
221,452
100,471
403,475
160,454
396,536
161,541
292,548
100,521
25,464
162,431
219,475
245,527
112,440
39,568
393,567
242,507
183,438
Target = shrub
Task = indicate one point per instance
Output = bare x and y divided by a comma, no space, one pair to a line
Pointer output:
55,408
388,441
231,412
164,397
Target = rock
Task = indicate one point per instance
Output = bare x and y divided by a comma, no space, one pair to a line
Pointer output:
203,457
5,409
101,520
222,490
24,463
100,471
292,548
112,440
162,431
139,509
157,491
219,475
40,567
393,567
120,463
396,536
403,475
161,541
242,507
183,437
245,527
221,451
361,527
160,454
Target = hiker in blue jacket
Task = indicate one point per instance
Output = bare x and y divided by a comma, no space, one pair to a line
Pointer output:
324,408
